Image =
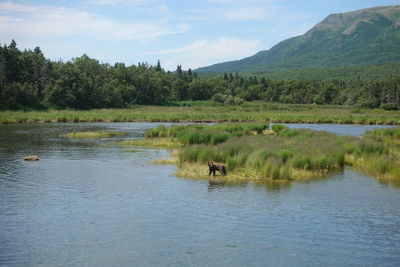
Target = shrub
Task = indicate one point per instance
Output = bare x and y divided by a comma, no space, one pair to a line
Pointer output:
390,106
278,127
257,127
219,98
233,101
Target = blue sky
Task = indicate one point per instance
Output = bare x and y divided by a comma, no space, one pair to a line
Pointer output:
191,33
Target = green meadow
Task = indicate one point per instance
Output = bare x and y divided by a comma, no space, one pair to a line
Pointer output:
207,111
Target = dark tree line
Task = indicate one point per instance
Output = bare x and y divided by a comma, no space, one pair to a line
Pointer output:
29,80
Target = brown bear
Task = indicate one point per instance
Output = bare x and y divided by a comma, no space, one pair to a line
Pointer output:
212,167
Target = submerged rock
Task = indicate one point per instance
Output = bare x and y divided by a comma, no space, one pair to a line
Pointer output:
31,158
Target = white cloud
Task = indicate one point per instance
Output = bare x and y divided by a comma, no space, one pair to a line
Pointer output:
206,52
40,20
233,10
250,13
163,9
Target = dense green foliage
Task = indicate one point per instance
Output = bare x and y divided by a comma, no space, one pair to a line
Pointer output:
368,36
29,80
365,73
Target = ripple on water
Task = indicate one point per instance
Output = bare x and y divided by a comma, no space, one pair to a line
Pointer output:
83,204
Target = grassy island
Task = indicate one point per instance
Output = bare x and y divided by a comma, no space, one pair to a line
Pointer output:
103,134
252,151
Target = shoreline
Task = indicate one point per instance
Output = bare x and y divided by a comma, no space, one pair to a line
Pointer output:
247,112
297,120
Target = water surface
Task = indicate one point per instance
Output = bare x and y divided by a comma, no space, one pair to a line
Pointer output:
85,204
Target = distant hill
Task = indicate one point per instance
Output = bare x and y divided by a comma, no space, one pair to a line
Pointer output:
362,37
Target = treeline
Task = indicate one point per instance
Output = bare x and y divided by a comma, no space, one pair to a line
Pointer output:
29,80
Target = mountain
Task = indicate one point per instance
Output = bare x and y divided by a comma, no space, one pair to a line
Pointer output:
362,37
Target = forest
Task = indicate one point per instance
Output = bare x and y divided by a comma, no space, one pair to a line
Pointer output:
28,80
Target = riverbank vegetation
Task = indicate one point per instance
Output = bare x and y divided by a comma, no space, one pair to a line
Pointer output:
30,81
207,111
102,134
378,154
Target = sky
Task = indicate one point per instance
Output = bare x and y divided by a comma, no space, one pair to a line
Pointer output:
193,33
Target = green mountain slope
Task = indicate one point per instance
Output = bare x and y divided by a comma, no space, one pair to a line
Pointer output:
367,36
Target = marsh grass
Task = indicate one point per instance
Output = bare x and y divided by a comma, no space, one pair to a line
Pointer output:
378,154
292,157
249,154
198,112
103,134
167,143
206,134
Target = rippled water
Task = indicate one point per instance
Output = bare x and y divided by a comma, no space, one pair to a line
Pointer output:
85,204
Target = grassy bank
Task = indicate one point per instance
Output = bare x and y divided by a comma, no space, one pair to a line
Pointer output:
209,112
378,154
103,134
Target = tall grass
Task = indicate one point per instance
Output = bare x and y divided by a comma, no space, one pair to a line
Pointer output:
378,154
290,154
251,111
206,134
275,157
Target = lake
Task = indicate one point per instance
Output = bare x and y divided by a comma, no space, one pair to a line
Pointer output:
88,203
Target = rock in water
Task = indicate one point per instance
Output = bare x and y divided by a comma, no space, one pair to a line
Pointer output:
31,158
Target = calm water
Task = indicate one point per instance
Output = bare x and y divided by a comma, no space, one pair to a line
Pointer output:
84,204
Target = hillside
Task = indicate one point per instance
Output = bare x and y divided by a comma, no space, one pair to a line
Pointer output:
366,36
